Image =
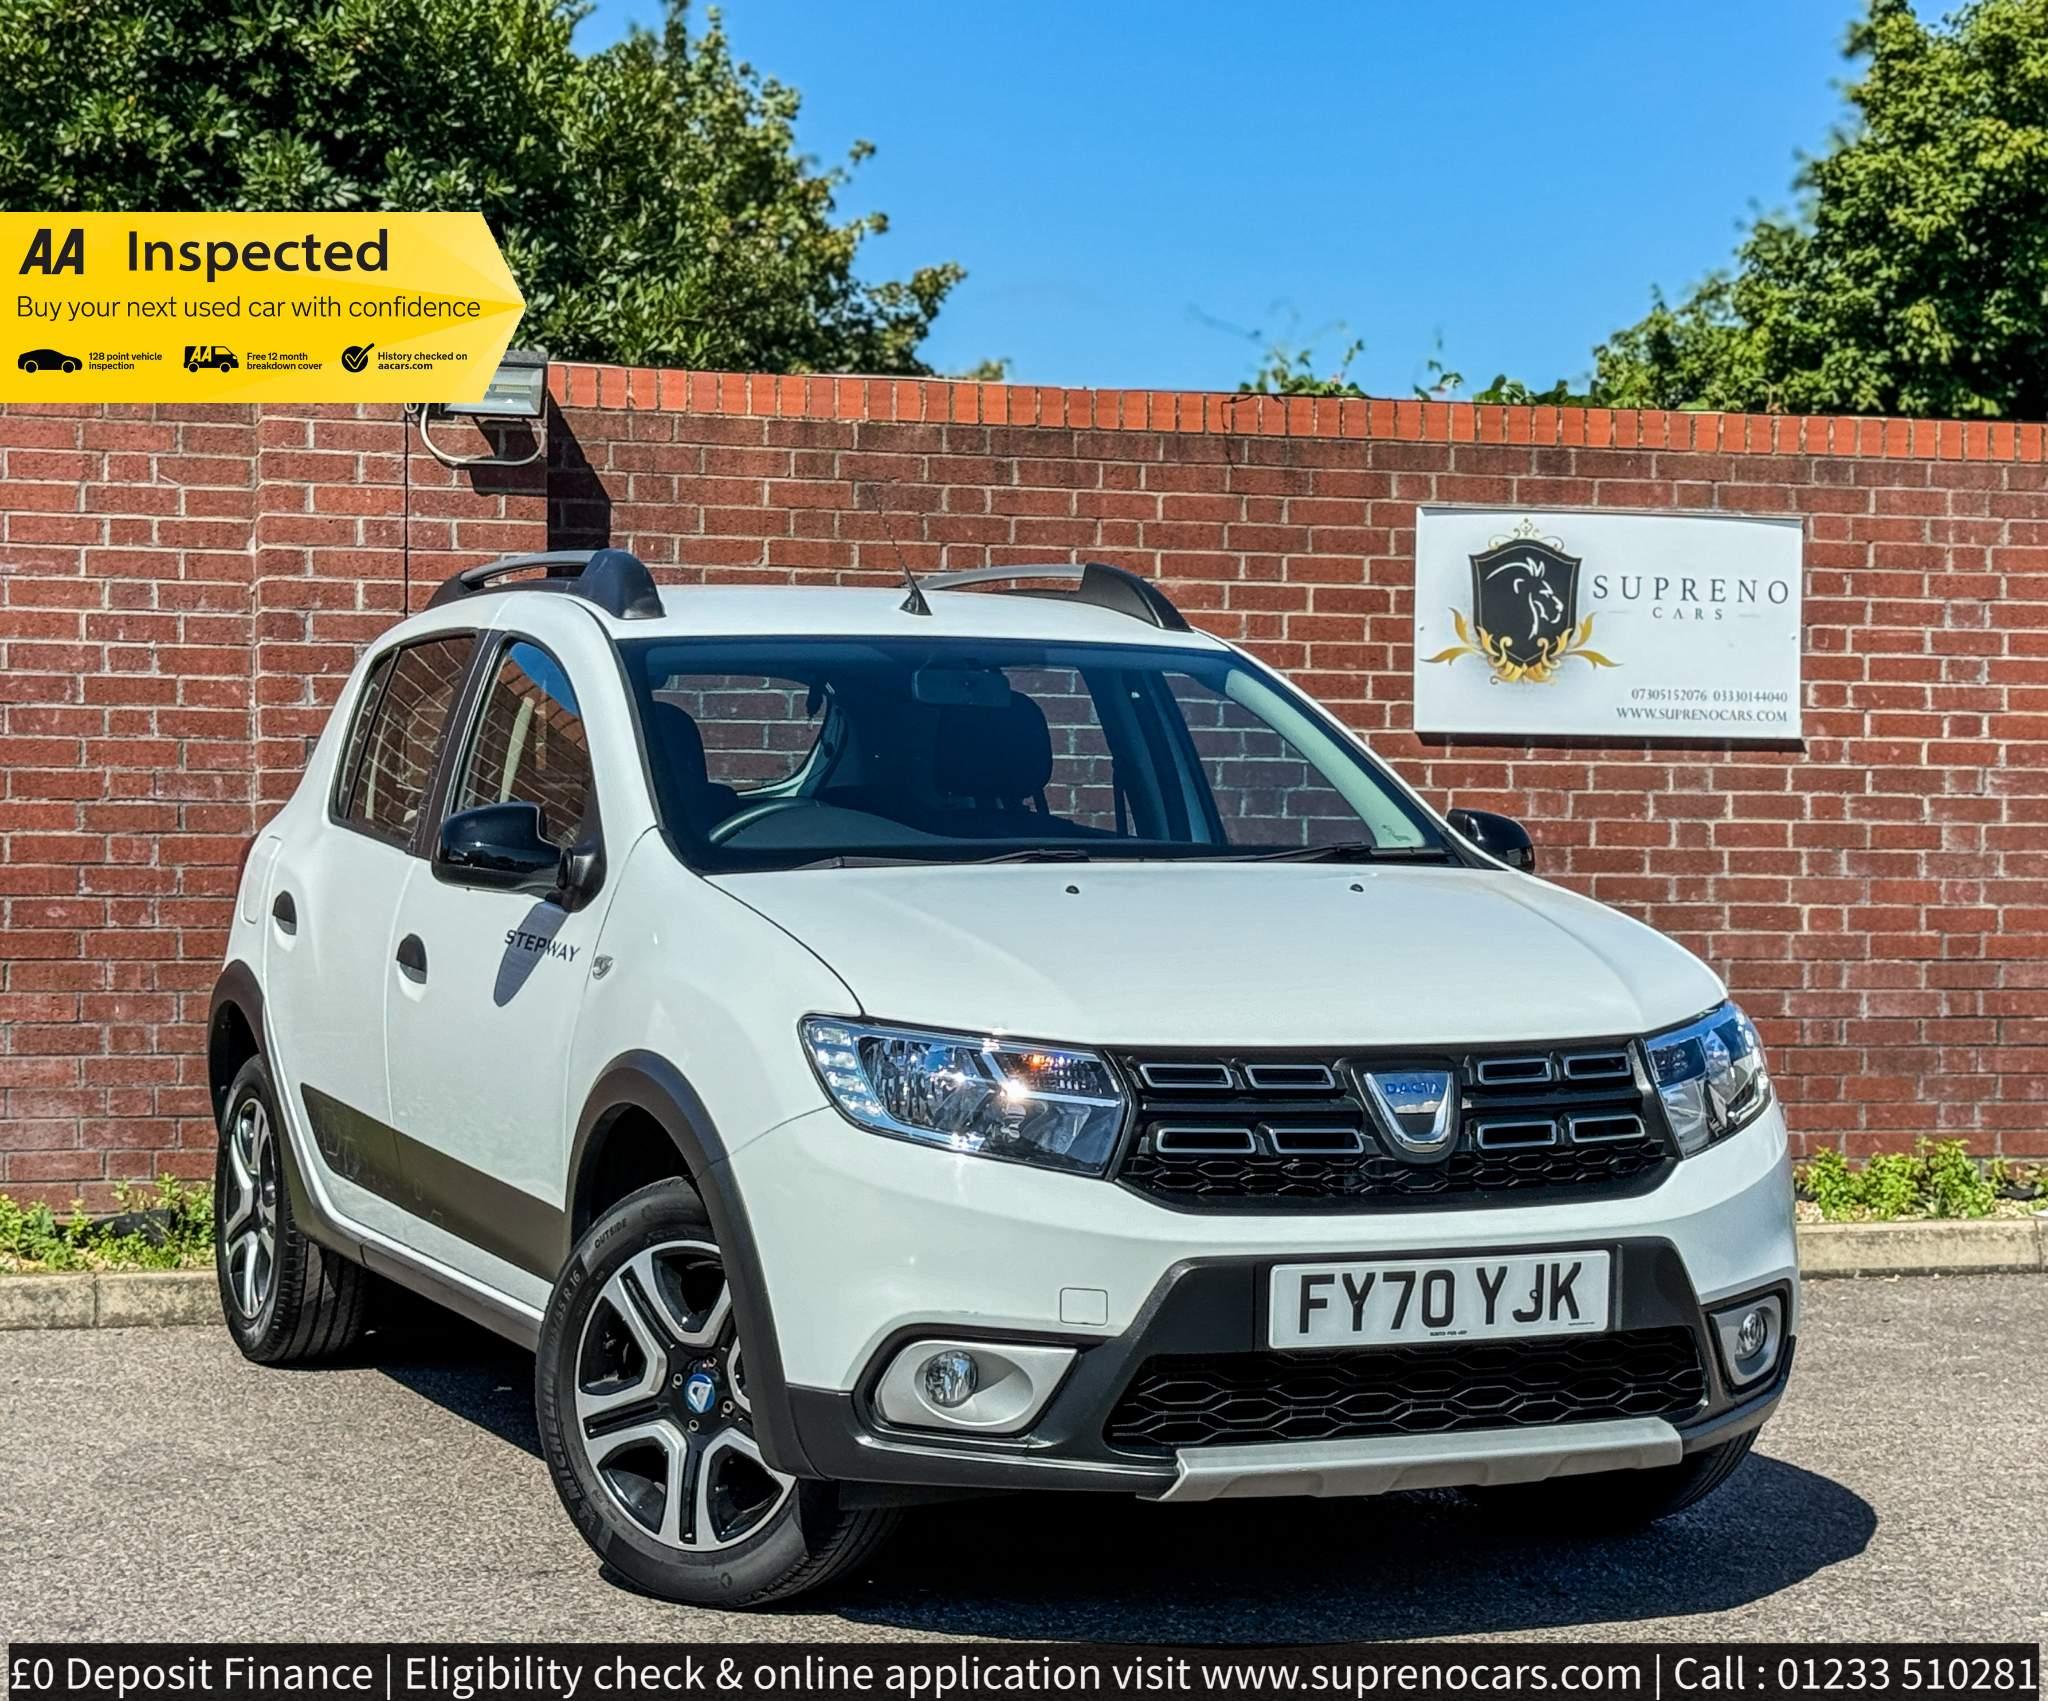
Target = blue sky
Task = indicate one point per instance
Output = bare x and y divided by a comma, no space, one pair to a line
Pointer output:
1132,185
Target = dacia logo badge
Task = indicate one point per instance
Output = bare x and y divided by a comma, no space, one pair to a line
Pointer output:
699,1392
1416,1109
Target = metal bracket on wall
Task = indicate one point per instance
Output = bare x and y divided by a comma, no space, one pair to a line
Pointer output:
420,413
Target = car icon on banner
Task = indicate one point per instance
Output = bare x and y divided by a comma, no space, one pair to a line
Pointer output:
48,360
201,357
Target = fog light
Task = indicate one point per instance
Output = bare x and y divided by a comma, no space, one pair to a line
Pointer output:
950,1378
1752,1333
980,1387
1751,1336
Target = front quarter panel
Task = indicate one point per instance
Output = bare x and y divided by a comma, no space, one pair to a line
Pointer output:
690,973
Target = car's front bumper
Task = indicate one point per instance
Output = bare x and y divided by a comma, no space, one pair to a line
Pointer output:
866,1244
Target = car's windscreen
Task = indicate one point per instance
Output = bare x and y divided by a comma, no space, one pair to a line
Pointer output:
784,752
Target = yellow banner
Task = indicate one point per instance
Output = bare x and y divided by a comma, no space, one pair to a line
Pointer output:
250,307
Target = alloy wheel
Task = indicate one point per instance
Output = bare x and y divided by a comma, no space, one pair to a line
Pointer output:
662,1411
248,1235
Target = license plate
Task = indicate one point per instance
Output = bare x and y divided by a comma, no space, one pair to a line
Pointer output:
1438,1299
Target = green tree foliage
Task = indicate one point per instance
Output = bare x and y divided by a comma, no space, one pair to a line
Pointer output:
650,198
1917,281
1284,370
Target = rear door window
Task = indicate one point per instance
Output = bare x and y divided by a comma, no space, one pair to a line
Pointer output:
401,724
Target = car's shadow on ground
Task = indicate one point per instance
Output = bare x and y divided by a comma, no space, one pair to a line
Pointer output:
459,1367
1069,1567
1059,1568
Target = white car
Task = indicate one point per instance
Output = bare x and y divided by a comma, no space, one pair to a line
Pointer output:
879,1047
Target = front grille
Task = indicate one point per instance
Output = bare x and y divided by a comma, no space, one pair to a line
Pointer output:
1329,1396
1273,1130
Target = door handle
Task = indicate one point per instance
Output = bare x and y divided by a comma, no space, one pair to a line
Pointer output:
285,913
412,956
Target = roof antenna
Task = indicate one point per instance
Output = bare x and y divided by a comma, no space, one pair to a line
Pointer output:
913,603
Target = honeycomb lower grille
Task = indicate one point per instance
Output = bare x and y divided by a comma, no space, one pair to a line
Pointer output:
1267,1131
1260,1397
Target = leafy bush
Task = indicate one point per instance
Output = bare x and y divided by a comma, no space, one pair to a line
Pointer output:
1891,1184
1956,1187
1827,1181
169,1227
1938,1178
2011,1180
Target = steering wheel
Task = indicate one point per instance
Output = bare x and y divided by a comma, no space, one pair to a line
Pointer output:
725,829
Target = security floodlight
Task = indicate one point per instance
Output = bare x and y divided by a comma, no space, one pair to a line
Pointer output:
518,389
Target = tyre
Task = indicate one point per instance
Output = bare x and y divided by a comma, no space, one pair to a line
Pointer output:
641,1394
286,1299
71,366
30,366
1613,1501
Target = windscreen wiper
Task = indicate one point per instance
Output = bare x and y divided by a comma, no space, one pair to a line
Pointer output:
1037,853
855,859
1350,850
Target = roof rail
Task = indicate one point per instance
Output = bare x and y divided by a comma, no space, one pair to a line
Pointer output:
616,580
1114,588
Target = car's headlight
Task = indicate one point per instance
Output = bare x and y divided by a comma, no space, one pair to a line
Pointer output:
1710,1074
1029,1103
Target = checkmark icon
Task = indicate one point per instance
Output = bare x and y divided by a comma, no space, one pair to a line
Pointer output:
356,358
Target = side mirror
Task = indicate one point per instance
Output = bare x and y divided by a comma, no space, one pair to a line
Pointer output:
1499,836
499,845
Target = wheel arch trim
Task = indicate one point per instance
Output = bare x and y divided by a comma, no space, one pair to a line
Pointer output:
317,1215
235,990
650,1083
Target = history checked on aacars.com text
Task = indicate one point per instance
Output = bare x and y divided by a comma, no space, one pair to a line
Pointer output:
957,1672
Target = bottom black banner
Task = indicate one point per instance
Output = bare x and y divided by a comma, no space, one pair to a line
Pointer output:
963,1671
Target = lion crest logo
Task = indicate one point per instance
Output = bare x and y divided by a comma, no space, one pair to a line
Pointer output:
1525,620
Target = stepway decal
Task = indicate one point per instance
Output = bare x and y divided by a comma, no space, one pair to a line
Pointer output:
241,307
517,939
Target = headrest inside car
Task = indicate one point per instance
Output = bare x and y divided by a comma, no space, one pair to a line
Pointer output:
1002,755
677,734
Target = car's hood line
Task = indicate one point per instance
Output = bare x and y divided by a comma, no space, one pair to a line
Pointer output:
1308,955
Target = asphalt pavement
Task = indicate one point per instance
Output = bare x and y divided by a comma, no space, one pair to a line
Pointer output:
153,1485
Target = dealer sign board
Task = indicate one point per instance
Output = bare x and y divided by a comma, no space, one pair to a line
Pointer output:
1604,625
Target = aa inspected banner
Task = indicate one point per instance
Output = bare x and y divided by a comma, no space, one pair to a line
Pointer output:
1576,623
243,307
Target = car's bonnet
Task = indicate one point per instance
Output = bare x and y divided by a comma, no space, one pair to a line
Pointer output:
1217,954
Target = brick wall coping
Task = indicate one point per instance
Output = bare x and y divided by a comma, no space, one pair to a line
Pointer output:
948,401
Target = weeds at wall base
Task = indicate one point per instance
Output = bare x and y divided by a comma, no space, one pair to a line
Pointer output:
1937,1179
168,1227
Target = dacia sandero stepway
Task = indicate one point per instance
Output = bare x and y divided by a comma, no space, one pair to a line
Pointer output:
878,1046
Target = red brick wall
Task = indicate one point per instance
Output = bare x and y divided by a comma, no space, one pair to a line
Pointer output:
181,589
1875,898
